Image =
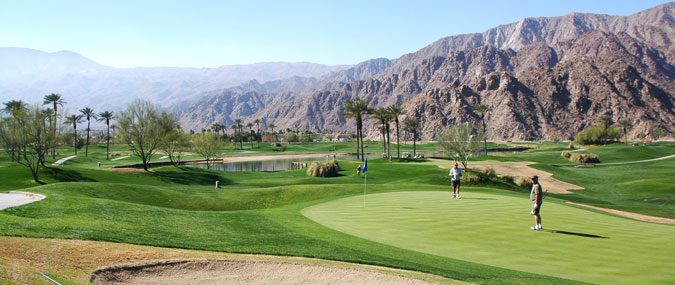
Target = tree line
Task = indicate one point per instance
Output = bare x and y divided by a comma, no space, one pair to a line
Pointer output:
30,133
458,140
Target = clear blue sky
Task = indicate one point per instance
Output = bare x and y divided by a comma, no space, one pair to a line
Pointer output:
198,33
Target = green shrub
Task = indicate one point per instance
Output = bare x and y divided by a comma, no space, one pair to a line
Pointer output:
525,183
508,179
474,179
566,154
585,158
324,169
490,172
596,135
282,148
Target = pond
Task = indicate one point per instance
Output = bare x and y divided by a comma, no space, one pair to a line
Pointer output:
287,163
274,164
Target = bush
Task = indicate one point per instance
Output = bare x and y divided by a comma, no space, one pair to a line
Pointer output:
566,154
585,158
525,183
267,138
596,135
324,169
291,137
490,172
282,148
508,179
474,179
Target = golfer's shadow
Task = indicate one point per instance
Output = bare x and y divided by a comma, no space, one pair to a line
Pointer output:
575,234
479,199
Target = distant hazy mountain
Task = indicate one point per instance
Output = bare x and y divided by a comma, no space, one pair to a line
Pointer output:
544,77
25,65
28,75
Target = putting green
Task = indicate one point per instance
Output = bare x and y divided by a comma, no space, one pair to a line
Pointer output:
576,244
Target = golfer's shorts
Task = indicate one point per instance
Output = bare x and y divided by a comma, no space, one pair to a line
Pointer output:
455,183
537,209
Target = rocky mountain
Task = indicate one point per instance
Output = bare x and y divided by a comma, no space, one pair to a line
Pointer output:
30,74
544,77
226,105
549,104
654,26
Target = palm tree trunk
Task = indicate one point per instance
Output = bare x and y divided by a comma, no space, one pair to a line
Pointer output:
414,142
358,143
86,150
75,140
398,143
388,142
362,152
107,152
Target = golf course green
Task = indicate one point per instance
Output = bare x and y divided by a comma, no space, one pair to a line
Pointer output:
491,229
409,220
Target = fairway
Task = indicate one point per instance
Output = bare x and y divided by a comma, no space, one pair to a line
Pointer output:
576,244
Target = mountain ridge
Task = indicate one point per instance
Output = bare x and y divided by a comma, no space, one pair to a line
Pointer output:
647,55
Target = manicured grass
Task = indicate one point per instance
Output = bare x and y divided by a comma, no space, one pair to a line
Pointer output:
250,215
494,230
261,212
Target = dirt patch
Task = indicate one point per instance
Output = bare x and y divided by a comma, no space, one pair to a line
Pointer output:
521,169
126,170
629,214
229,271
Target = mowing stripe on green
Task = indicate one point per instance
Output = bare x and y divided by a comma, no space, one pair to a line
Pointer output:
493,229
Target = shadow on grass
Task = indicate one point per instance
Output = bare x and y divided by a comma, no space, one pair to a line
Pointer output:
65,175
577,234
478,199
191,175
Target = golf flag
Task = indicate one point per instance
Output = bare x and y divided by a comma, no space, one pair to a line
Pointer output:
365,181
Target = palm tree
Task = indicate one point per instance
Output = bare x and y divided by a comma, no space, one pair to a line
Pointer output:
238,125
357,108
413,124
217,128
250,132
55,100
625,125
482,109
257,123
89,114
74,119
14,106
234,135
275,135
383,117
396,111
106,116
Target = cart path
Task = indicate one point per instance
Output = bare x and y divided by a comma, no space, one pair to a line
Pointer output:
123,157
638,161
18,198
63,160
640,217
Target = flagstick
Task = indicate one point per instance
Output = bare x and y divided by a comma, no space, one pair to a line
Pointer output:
365,183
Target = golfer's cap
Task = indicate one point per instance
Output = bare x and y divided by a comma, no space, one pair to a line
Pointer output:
535,177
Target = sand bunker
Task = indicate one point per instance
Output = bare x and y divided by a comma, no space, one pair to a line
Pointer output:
18,198
521,169
225,271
